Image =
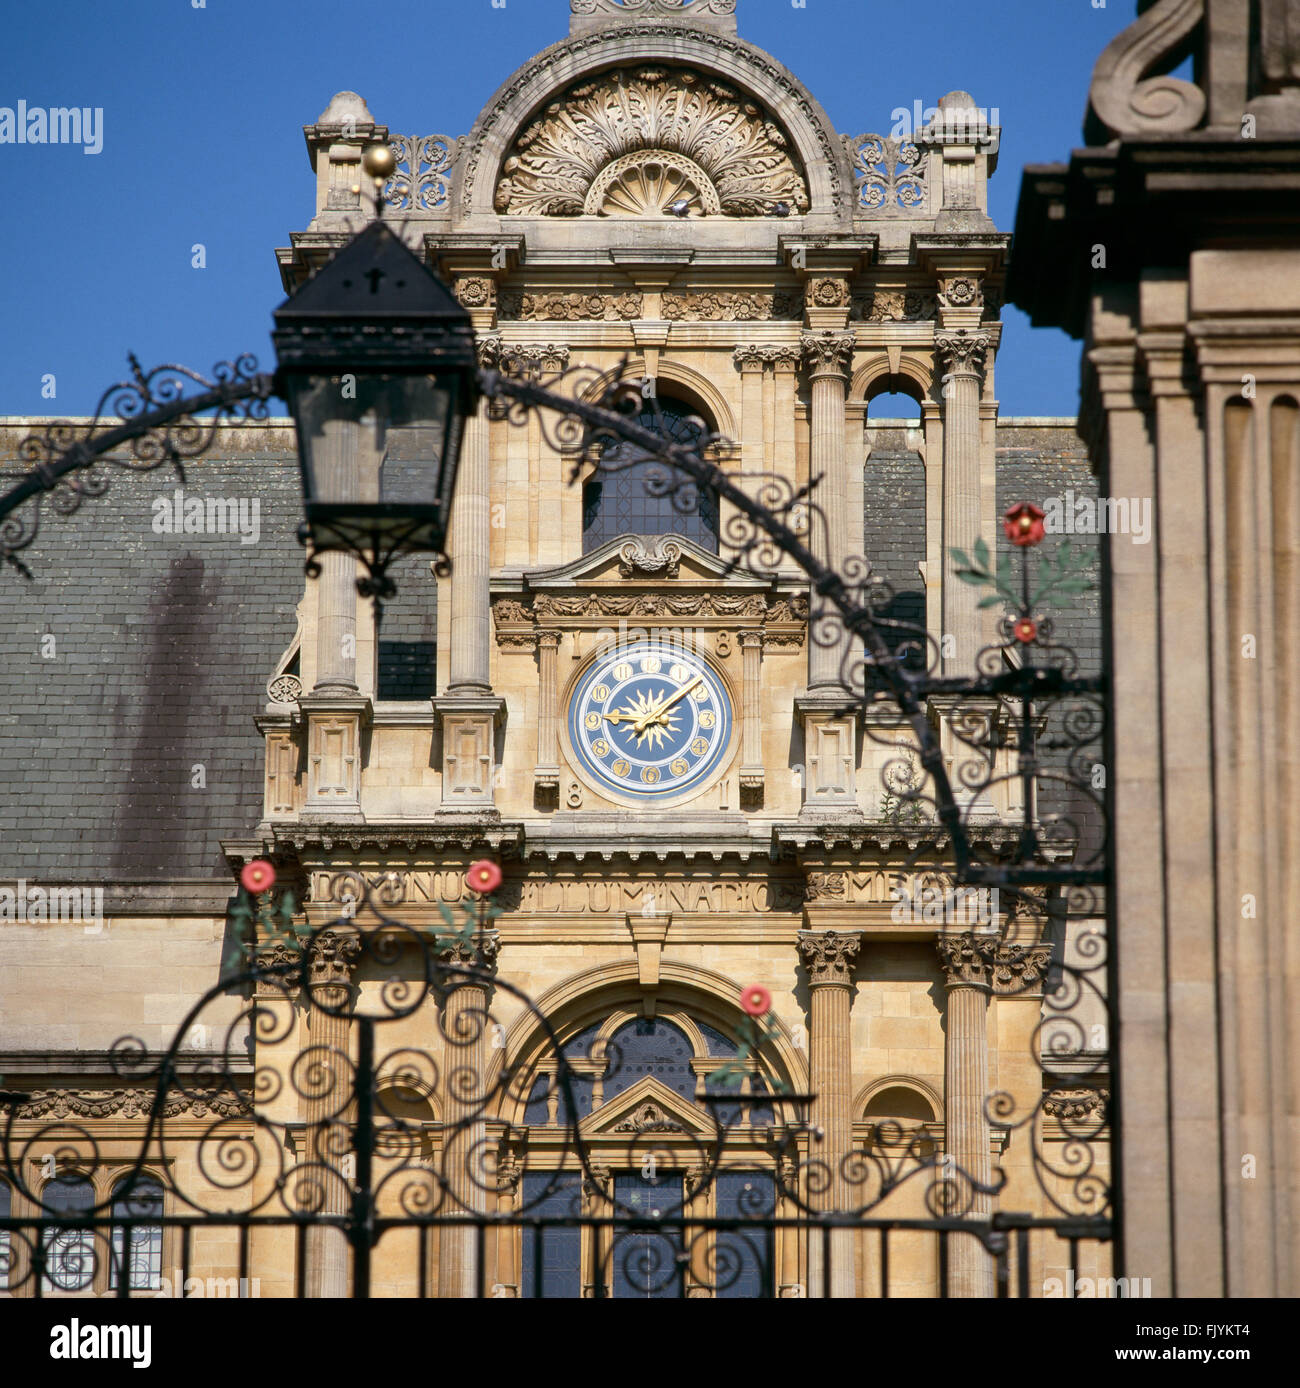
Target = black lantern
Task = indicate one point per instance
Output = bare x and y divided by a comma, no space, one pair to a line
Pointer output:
378,363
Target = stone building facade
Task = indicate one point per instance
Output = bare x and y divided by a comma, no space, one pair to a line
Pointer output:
654,198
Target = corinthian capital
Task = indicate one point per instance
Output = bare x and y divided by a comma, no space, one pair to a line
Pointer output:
984,961
828,353
479,951
966,959
828,955
333,956
962,352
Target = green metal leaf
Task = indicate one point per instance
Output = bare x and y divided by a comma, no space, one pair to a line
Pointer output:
981,553
993,600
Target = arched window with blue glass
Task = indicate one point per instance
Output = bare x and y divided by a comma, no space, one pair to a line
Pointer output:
651,1098
627,494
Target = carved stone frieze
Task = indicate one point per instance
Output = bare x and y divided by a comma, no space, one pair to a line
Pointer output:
960,291
893,306
635,140
829,956
724,306
130,1103
535,359
570,308
825,886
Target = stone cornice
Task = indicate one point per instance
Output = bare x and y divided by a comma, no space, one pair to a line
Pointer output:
467,834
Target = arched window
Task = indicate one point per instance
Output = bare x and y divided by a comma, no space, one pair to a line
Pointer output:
618,502
69,1251
635,1081
137,1239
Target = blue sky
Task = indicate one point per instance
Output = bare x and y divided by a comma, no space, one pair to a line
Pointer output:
202,131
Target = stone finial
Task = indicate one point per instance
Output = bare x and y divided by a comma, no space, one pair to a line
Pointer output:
345,108
586,15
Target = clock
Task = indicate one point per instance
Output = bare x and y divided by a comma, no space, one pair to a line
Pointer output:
651,721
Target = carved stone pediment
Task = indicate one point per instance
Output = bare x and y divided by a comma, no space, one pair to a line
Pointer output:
638,557
640,140
648,1106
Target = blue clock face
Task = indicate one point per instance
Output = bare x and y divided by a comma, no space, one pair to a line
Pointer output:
650,721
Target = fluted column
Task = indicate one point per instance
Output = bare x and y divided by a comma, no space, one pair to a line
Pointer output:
327,1081
961,356
546,776
828,356
465,1171
829,956
966,960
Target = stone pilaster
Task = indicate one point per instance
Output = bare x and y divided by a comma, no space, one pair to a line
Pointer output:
327,1084
967,963
828,356
751,752
546,776
466,1173
961,356
829,956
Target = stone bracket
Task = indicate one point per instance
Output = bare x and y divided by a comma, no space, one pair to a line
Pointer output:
469,724
648,935
335,728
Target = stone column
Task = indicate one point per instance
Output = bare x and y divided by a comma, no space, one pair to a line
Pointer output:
828,956
328,1084
828,355
961,355
966,961
466,1172
509,1174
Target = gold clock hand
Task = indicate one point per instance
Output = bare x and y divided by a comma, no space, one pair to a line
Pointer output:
656,714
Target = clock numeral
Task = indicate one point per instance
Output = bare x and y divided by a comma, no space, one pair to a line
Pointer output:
620,767
650,775
700,693
622,672
680,674
600,693
680,766
592,721
708,719
600,747
699,746
651,665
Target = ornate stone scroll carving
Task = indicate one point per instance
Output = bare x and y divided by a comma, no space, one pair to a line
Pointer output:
642,557
129,1103
890,174
724,306
1123,99
570,308
632,141
893,306
423,175
1076,1104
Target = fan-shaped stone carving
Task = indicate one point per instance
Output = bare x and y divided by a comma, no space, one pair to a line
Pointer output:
633,141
